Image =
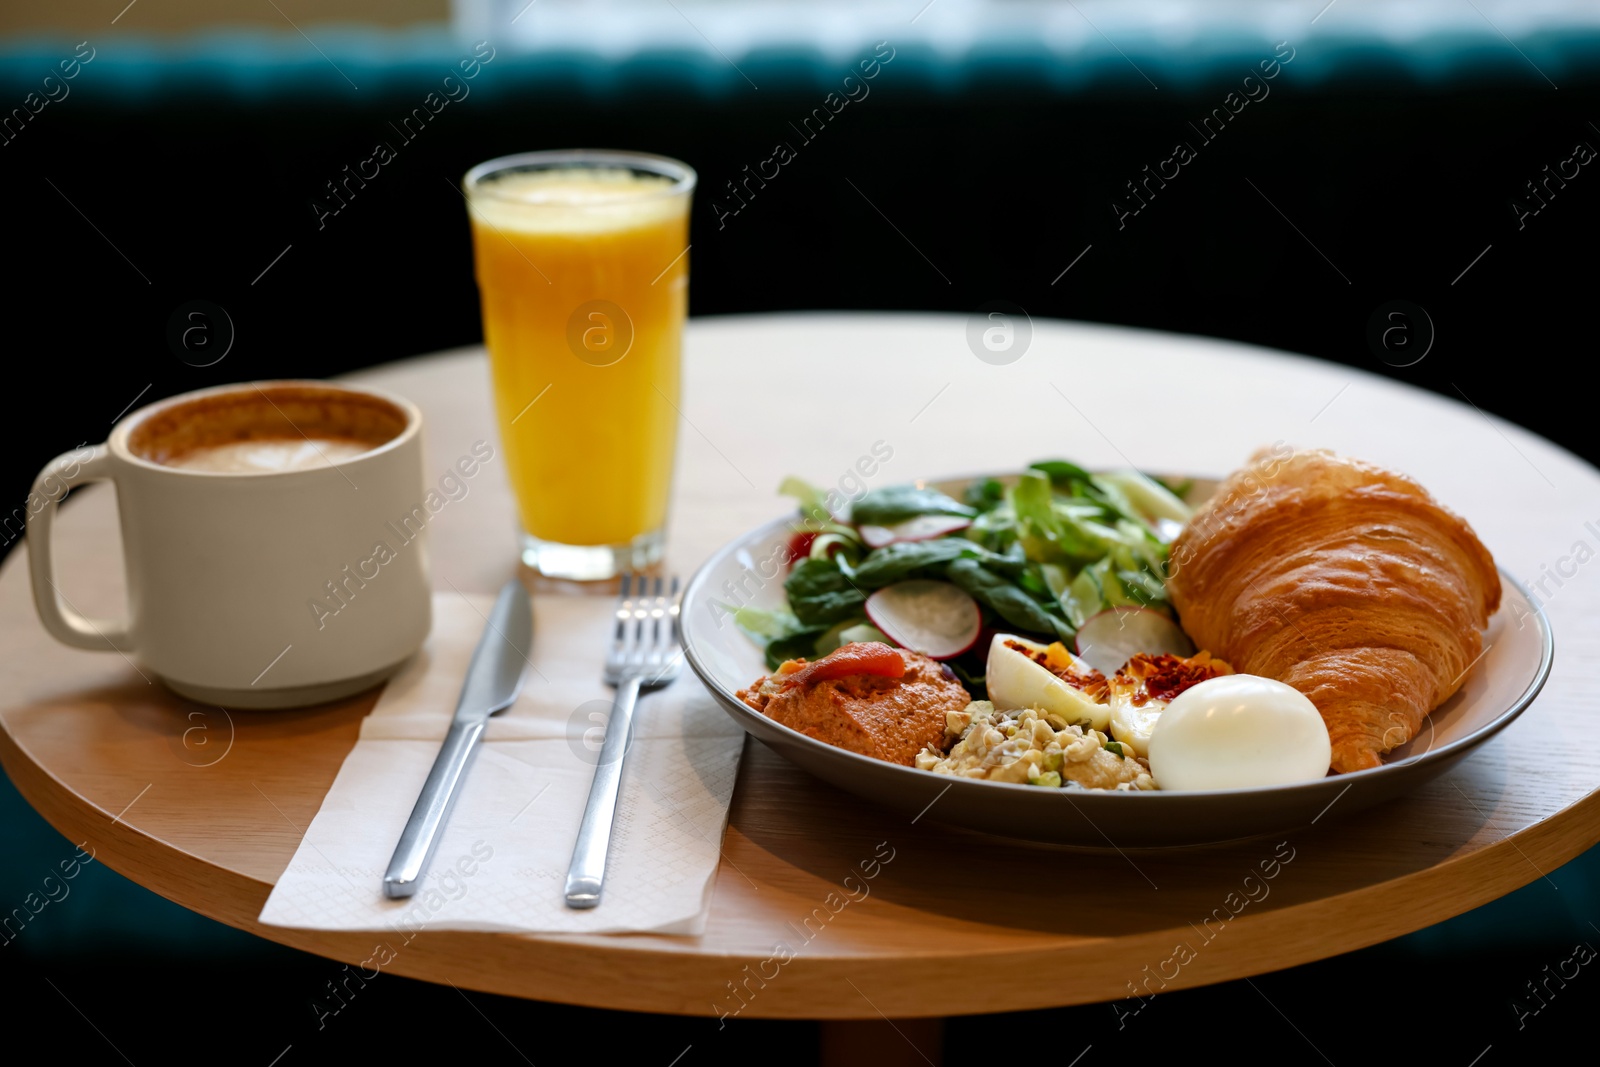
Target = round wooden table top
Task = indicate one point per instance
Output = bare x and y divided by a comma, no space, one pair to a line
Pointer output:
958,922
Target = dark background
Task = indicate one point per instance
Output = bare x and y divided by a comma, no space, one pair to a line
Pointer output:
1399,184
1000,181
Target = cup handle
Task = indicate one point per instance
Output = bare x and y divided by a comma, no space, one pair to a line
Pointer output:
64,622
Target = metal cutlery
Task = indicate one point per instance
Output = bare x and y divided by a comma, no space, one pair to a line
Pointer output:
643,656
499,664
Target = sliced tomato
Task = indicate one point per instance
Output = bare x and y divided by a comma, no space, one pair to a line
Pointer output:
800,547
860,657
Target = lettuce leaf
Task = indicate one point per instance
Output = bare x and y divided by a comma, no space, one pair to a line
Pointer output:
812,501
1053,531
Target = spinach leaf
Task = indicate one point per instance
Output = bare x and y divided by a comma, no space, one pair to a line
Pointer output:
1060,472
894,562
820,594
896,503
1013,562
1006,599
802,645
891,563
985,494
1034,583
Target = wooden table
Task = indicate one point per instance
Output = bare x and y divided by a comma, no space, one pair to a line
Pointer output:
956,923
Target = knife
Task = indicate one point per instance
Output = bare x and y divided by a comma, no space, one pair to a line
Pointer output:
499,664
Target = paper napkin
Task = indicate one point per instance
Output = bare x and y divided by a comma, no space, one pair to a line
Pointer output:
502,862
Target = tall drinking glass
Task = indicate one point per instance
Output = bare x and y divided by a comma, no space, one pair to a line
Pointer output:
583,270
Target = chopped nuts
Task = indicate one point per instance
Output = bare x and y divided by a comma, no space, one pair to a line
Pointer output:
1033,747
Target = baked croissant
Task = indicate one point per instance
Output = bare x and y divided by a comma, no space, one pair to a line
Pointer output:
1344,580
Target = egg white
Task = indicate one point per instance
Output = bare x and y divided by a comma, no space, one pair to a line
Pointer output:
1237,731
1017,682
1134,724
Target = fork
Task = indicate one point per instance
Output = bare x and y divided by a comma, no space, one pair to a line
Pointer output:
643,656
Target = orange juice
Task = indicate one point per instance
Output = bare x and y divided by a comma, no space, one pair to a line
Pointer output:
583,273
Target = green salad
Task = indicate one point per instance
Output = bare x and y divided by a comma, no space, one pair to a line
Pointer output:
1039,555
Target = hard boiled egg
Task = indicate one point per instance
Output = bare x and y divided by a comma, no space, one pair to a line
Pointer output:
1238,731
1061,684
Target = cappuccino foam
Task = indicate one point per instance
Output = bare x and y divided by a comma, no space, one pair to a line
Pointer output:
272,428
270,456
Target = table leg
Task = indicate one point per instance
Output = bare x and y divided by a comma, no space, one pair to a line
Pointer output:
882,1042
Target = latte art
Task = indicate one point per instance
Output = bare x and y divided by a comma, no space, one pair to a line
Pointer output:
270,455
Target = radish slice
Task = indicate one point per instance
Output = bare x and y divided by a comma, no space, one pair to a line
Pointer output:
1108,639
921,528
935,618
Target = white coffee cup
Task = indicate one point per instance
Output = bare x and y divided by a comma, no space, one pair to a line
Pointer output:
273,558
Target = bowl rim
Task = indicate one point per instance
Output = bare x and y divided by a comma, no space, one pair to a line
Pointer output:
688,629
